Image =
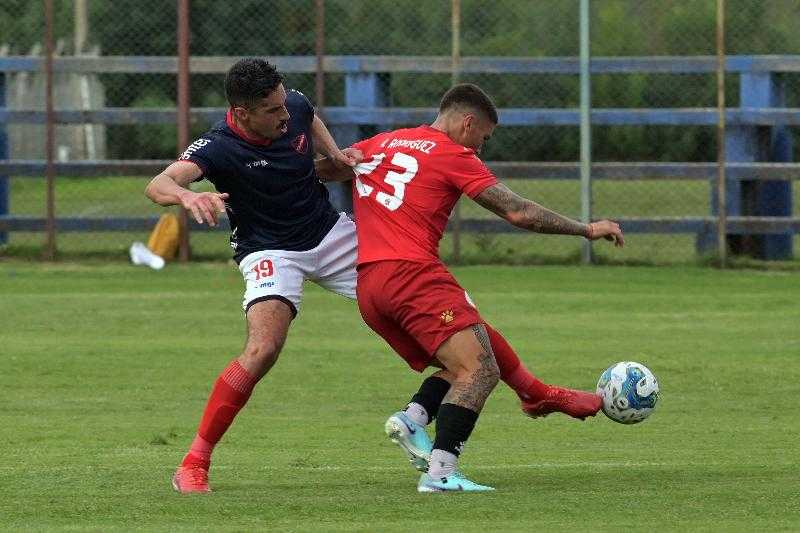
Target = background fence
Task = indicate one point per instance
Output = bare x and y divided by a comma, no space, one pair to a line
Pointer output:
385,64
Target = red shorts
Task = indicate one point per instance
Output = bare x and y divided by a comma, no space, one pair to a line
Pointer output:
415,307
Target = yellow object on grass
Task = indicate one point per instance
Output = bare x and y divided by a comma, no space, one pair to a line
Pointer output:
164,237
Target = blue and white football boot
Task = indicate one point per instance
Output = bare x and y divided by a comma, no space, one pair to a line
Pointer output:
412,439
455,482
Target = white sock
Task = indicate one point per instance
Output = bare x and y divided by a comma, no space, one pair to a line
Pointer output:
442,464
417,414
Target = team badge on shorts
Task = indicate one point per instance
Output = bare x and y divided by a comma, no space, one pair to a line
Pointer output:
447,317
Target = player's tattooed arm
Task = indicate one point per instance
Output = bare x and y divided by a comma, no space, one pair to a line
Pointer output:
472,394
527,214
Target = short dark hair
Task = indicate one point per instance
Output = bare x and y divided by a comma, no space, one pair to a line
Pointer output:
470,96
250,80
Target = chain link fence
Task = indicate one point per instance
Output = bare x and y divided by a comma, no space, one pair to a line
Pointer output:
653,29
646,56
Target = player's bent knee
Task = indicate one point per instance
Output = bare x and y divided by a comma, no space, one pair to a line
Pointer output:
462,370
263,353
481,368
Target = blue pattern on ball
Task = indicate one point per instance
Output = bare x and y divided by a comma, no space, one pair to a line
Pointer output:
632,377
605,377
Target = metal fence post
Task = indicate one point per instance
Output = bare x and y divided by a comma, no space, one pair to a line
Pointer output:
319,52
183,112
50,224
340,193
4,192
586,129
455,55
722,210
749,144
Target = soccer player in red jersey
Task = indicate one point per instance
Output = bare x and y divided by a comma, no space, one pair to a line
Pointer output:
404,191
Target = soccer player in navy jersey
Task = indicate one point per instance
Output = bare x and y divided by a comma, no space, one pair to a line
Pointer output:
403,194
284,230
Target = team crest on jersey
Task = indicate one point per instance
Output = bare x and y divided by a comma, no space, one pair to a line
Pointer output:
447,317
300,144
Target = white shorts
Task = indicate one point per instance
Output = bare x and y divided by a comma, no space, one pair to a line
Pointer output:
279,274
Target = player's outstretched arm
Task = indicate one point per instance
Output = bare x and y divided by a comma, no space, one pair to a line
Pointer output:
170,188
325,145
531,216
332,170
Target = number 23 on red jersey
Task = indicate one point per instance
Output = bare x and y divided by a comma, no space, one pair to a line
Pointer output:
397,180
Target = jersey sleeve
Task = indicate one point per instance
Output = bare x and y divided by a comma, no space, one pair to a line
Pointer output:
469,174
201,153
299,105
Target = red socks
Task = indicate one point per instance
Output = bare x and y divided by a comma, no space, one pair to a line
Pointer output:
512,371
234,386
231,391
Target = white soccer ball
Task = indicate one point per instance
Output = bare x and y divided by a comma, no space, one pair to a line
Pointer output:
629,391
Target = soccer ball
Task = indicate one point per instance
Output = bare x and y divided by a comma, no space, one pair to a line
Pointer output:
629,391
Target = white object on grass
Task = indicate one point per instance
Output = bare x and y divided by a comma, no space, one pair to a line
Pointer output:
141,255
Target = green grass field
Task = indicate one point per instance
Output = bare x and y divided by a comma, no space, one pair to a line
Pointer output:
106,369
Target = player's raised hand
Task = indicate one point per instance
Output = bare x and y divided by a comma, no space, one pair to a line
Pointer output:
204,206
608,230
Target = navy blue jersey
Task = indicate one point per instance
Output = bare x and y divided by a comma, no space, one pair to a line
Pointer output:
276,201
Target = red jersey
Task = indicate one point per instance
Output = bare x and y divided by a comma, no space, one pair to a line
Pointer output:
406,188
